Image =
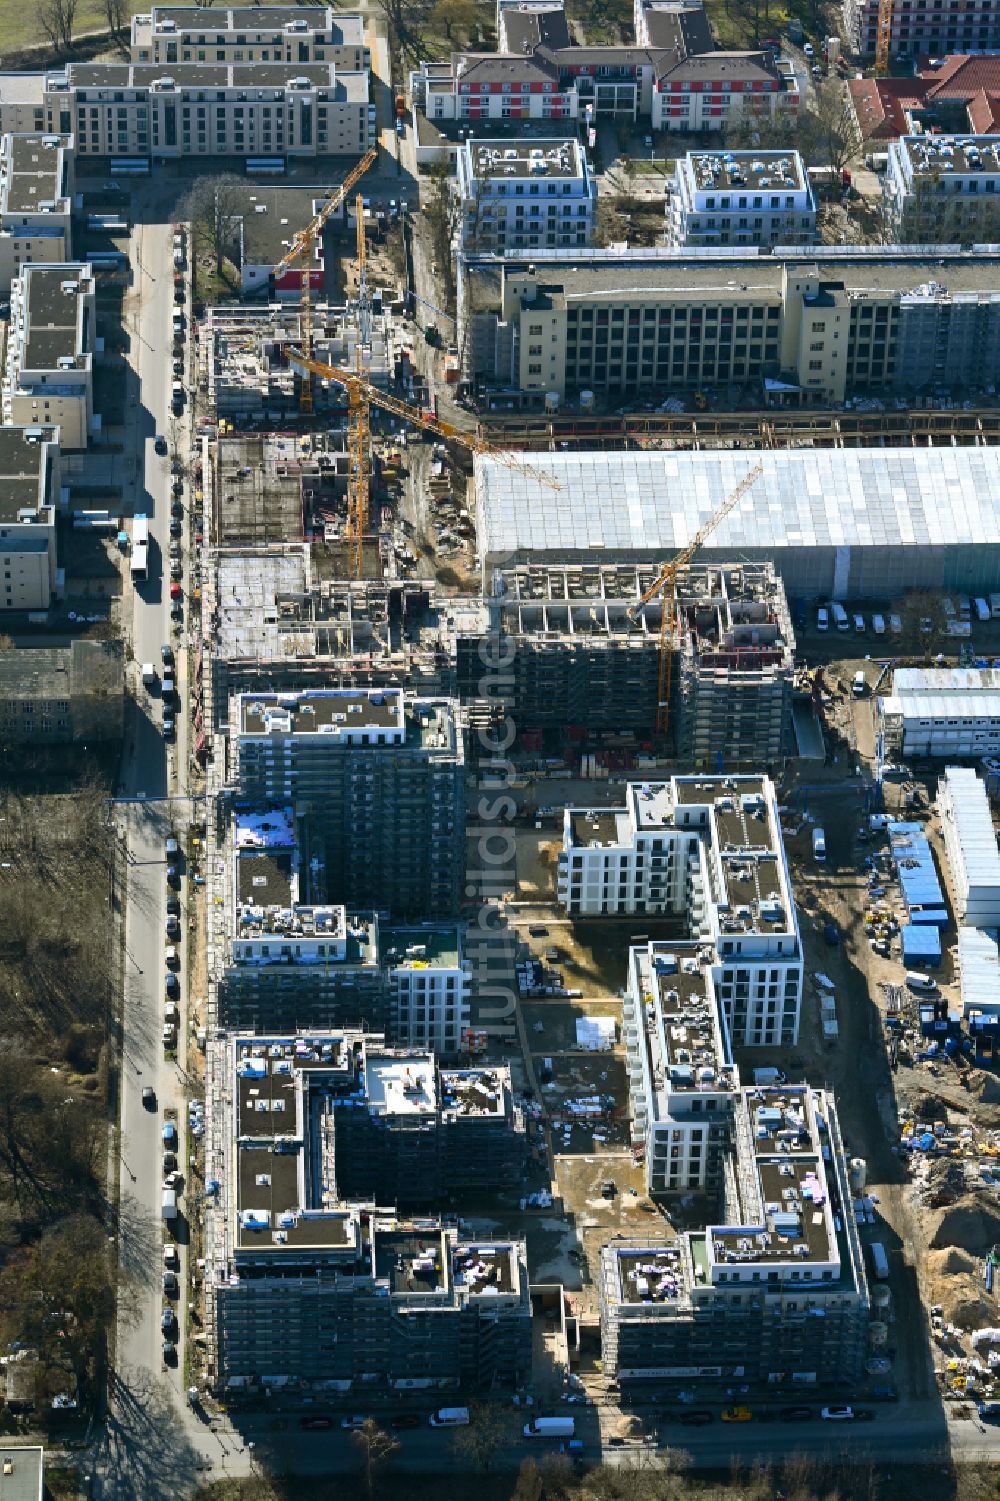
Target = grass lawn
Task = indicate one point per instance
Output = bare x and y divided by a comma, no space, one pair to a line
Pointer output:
19,23
733,20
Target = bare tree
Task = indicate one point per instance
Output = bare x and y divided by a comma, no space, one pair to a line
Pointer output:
442,212
56,18
828,133
214,208
376,1447
116,14
489,1430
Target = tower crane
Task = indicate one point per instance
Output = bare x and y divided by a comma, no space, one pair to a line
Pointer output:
300,252
883,38
665,584
360,395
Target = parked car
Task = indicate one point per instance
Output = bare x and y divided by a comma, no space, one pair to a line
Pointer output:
314,1421
696,1418
355,1421
837,1414
171,1286
149,1097
160,444
737,1415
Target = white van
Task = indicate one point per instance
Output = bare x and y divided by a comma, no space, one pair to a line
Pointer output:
859,687
449,1417
878,624
859,625
922,983
839,614
822,618
819,844
982,609
896,625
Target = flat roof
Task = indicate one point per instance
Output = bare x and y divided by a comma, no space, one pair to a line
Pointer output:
532,160
22,1472
940,156
264,877
32,173
53,328
412,1261
420,947
22,470
796,1223
745,171
651,1275
596,828
400,1084
248,76
273,216
307,713
272,828
484,1270
969,808
685,1044
654,503
475,1091
181,19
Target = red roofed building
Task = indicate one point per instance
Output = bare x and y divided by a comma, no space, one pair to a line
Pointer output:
962,93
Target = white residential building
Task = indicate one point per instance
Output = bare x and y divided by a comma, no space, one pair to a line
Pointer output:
49,375
970,842
36,202
942,188
709,849
160,111
525,194
429,987
942,712
741,198
29,498
260,34
22,103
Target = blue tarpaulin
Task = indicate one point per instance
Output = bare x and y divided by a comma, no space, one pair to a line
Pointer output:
915,868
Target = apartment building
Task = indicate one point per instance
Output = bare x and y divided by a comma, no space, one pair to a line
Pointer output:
250,34
942,187
22,103
741,198
381,777
524,194
430,987
416,1132
805,331
29,498
736,667
582,654
951,94
931,29
209,109
49,373
58,695
773,1294
36,202
310,1292
676,82
708,850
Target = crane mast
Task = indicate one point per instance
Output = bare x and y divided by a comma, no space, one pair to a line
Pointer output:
665,584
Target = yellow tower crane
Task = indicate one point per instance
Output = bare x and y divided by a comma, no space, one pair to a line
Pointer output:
360,395
301,252
883,38
665,584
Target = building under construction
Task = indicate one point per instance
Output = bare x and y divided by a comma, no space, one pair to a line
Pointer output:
310,1289
733,693
244,372
585,655
276,487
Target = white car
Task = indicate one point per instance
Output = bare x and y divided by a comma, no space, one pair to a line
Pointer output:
170,1257
808,50
838,1414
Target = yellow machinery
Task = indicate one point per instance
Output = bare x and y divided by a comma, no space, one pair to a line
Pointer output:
883,38
301,252
360,395
665,584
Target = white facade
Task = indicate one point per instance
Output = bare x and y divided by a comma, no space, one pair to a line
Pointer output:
942,712
29,495
524,195
741,198
709,849
970,842
429,1005
942,188
272,33
201,109
36,202
49,373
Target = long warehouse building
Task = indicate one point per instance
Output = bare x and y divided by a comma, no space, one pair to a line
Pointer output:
865,523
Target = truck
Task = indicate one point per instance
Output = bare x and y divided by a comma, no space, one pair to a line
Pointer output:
140,528
880,1261
148,675
550,1428
170,1203
982,608
449,1417
819,844
140,561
